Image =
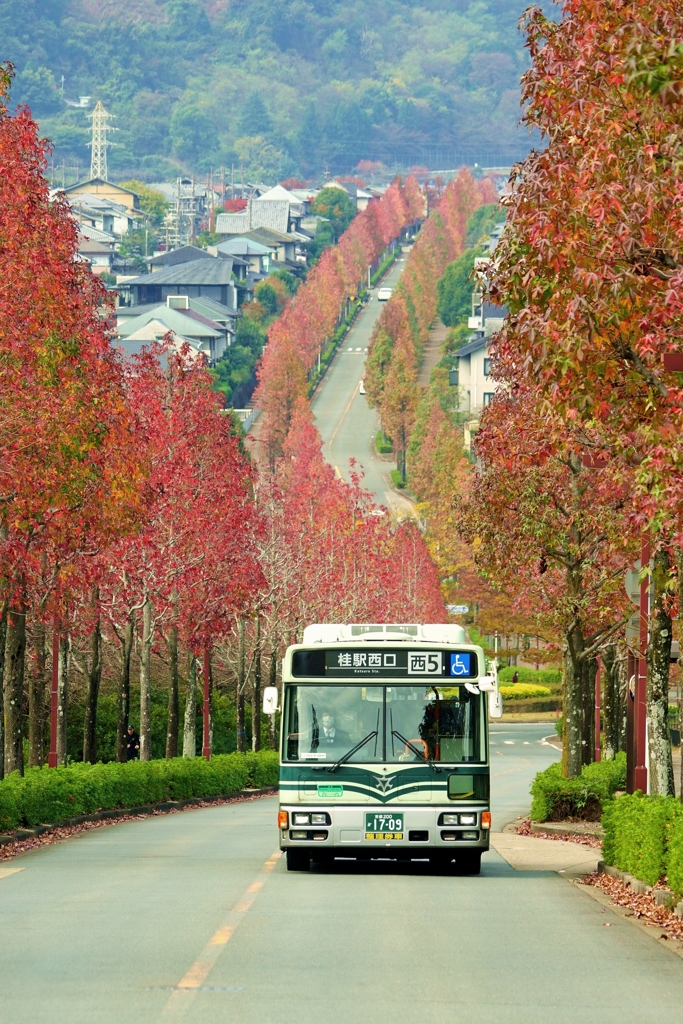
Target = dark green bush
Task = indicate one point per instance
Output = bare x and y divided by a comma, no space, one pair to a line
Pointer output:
396,478
557,798
50,795
644,836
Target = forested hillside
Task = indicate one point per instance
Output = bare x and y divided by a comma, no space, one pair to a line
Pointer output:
281,87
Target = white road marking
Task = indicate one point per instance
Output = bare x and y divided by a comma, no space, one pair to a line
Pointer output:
358,350
349,350
510,743
5,872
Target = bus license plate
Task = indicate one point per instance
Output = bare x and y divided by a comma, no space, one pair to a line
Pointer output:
383,826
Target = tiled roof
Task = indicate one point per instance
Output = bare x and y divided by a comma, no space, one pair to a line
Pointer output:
262,213
185,254
208,272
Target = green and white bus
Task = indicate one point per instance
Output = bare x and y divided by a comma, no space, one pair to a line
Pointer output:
384,749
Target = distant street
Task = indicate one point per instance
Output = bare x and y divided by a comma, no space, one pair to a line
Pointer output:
189,917
346,423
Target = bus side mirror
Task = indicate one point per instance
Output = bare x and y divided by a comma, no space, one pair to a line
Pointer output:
495,705
487,683
270,700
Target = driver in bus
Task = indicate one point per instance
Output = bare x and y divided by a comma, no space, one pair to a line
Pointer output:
330,736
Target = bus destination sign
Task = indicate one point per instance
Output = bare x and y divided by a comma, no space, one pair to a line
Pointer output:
385,663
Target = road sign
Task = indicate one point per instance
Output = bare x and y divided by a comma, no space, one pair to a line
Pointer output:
458,609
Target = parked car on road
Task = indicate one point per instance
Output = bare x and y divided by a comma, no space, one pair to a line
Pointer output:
384,294
361,388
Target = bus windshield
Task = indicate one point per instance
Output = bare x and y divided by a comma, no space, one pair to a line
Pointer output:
400,724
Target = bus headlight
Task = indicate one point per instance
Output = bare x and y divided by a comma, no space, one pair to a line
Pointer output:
301,819
320,819
449,819
468,819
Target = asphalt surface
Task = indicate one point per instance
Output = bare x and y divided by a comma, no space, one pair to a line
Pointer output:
190,917
347,424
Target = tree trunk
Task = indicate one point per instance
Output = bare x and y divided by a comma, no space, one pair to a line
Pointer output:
62,697
173,711
256,692
15,656
272,681
657,657
94,678
589,669
124,691
611,703
572,701
241,682
190,723
3,640
145,683
36,697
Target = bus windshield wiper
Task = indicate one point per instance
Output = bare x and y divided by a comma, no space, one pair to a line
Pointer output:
420,754
350,753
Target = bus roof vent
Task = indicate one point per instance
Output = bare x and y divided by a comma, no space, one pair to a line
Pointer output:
437,633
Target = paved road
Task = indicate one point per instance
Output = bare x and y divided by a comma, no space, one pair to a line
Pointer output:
190,917
346,423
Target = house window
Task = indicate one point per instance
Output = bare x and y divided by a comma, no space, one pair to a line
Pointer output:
487,367
488,397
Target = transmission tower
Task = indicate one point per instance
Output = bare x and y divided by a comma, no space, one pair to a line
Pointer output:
99,144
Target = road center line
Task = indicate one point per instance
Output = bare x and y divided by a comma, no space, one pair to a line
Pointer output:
184,994
343,417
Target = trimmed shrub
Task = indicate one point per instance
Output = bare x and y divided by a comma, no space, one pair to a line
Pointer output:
674,859
637,833
518,691
383,445
396,479
556,798
50,795
541,676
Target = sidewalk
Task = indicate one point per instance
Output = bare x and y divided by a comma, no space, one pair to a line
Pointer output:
527,853
432,352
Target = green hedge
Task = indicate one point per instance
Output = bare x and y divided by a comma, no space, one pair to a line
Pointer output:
396,479
557,798
49,795
383,445
520,691
636,833
541,676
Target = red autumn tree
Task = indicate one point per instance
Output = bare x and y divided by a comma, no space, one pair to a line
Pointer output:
69,476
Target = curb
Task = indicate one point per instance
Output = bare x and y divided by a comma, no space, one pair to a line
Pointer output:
120,812
559,829
663,897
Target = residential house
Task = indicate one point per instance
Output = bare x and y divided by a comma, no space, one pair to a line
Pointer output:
185,254
208,278
223,317
176,316
255,254
260,213
94,211
104,190
360,196
101,255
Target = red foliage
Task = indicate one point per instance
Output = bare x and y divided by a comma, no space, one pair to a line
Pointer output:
235,205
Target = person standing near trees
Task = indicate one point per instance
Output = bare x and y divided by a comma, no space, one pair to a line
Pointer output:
132,744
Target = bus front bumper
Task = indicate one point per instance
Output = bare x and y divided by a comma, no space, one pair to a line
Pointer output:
423,830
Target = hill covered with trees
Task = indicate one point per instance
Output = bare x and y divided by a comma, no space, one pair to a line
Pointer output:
281,87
